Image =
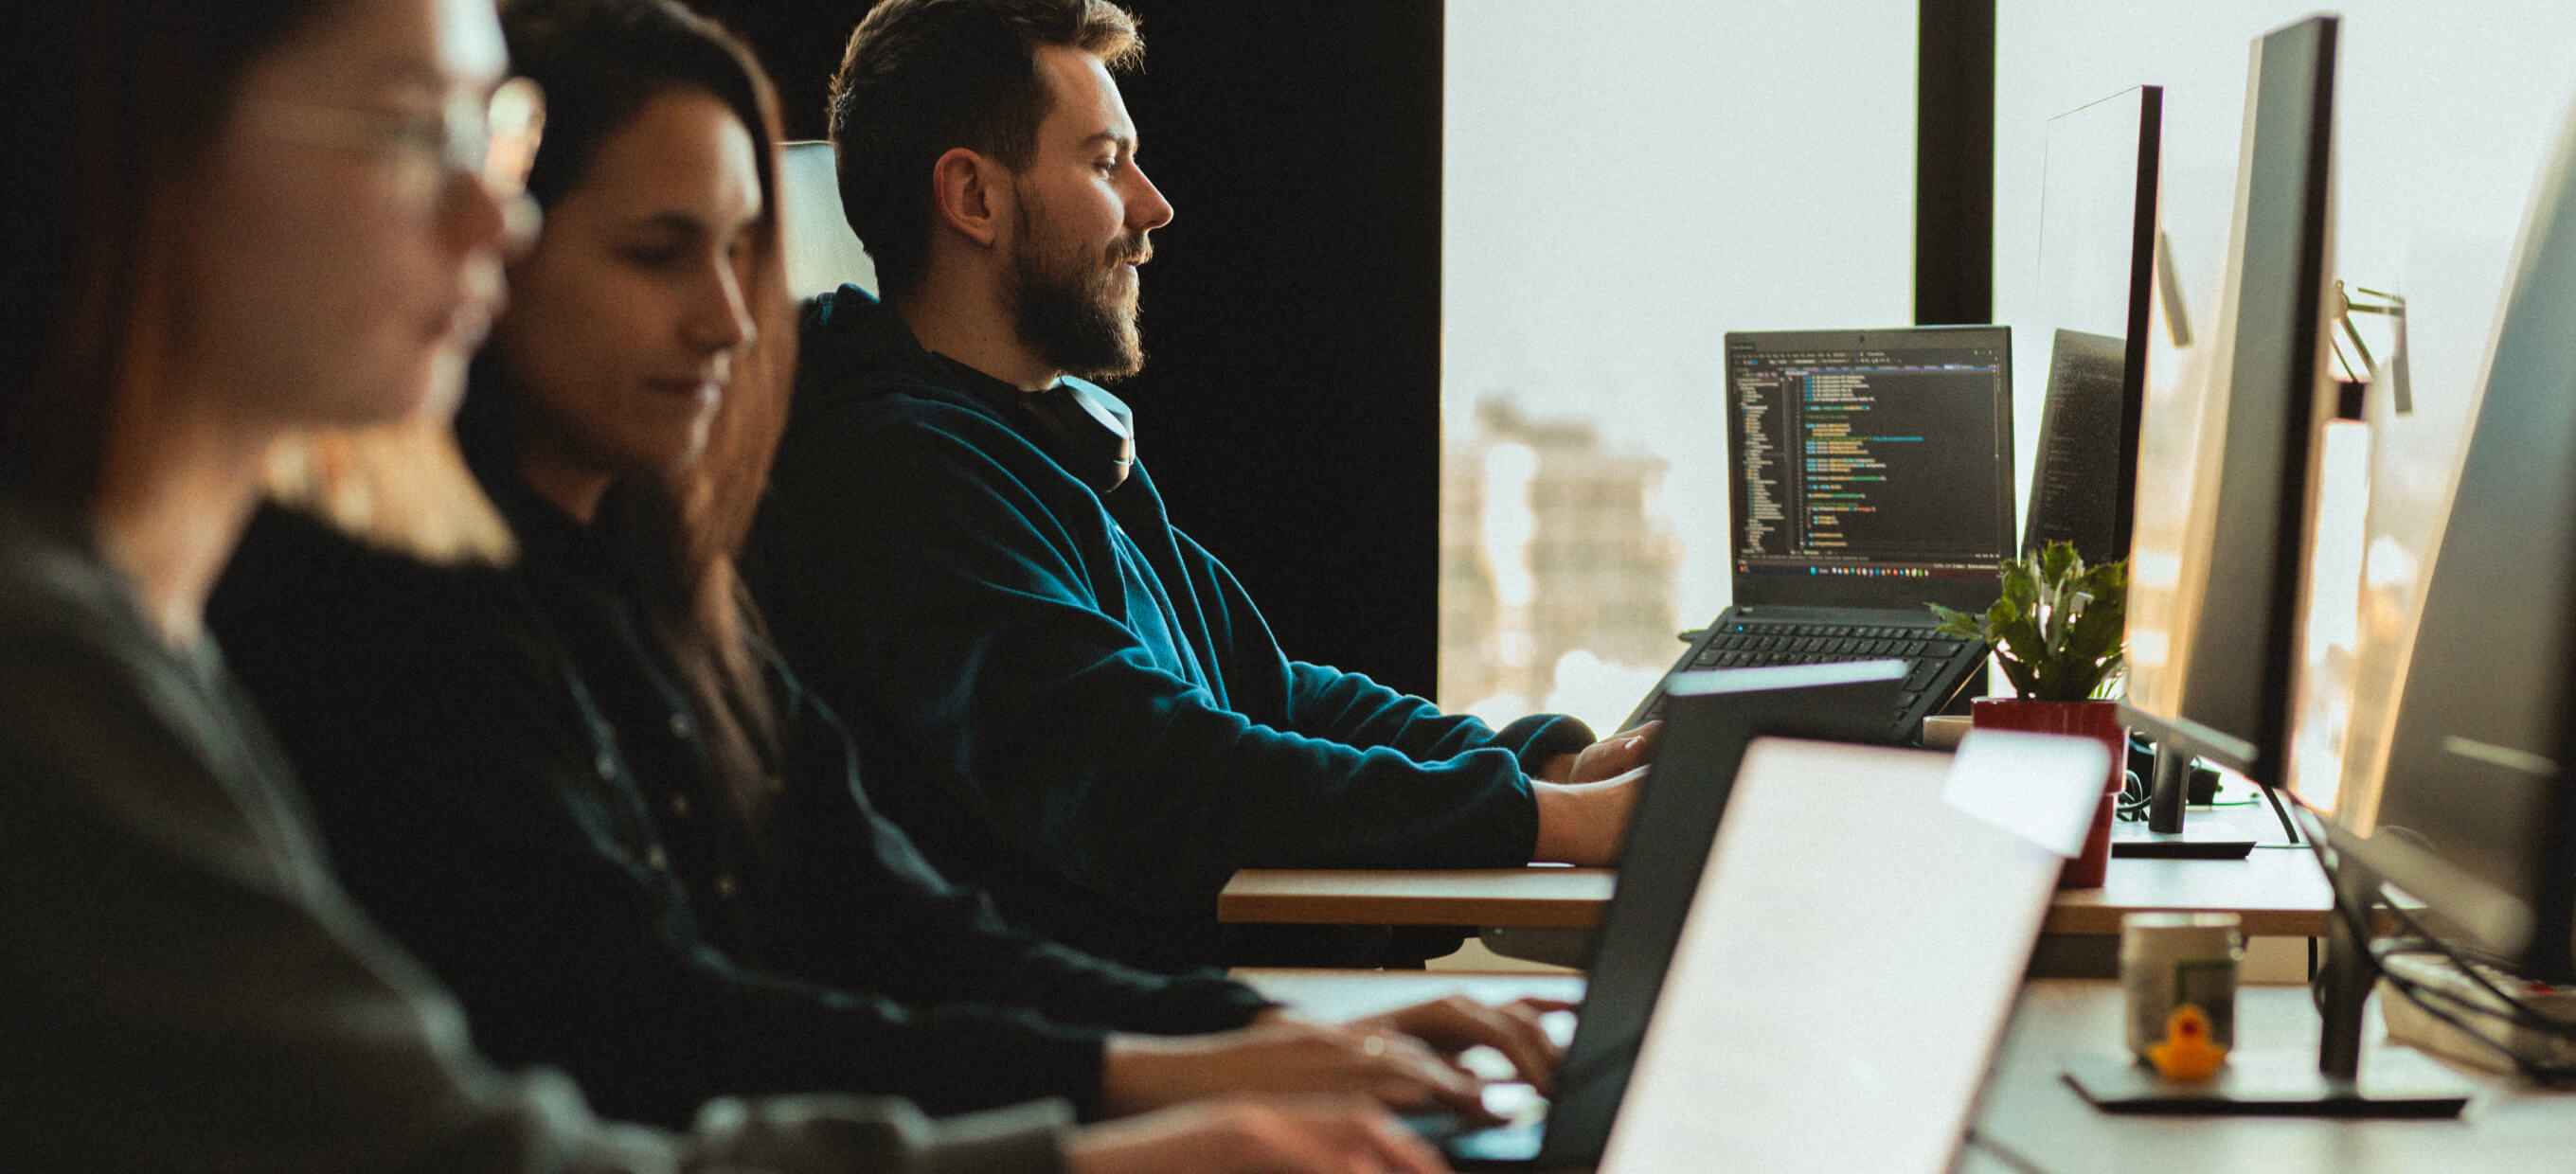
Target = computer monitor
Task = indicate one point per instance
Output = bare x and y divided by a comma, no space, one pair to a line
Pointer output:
2450,781
2225,576
2097,239
2224,458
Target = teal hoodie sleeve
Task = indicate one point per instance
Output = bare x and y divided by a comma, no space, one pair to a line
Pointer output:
1073,684
1321,701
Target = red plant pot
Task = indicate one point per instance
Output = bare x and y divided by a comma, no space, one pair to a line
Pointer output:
2098,720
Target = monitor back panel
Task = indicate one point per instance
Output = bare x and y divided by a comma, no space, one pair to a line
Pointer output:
2450,791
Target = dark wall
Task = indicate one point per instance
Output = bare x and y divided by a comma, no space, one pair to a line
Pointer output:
1290,404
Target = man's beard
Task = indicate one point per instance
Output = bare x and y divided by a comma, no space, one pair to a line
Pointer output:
1067,308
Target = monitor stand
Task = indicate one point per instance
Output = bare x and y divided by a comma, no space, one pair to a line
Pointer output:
2401,1082
2164,837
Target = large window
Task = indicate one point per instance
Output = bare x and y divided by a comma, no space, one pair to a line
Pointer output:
2445,112
1625,183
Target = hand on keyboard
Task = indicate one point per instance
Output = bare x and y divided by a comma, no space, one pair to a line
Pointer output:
1452,1025
1615,755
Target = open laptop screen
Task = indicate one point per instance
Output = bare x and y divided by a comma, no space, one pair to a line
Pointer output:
1870,468
1851,955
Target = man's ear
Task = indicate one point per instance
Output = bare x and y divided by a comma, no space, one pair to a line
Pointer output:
970,194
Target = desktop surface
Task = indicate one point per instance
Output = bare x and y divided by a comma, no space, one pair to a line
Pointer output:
2030,1112
2031,1120
2277,890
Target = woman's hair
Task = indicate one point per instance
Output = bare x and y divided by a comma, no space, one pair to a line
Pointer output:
600,62
112,108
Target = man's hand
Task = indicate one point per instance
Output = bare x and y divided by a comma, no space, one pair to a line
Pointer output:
1457,1023
1612,756
1310,1135
1584,823
1279,1055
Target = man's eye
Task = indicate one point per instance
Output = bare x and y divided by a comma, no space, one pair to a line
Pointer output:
650,256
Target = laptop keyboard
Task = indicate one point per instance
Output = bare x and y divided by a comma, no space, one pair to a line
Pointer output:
1739,644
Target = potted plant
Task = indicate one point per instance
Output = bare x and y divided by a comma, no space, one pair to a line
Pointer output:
2058,632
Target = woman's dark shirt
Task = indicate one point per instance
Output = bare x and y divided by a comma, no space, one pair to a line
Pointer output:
187,988
512,782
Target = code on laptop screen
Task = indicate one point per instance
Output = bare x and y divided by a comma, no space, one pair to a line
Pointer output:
1871,455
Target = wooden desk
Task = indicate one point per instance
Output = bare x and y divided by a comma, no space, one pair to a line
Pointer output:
2278,891
2029,1120
1540,895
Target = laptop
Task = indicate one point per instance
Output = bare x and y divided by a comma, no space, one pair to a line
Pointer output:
1852,954
1715,715
1872,473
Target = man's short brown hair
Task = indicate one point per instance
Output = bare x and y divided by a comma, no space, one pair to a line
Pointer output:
922,77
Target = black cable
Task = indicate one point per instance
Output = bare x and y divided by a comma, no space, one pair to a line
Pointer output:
2521,1013
2287,827
2424,997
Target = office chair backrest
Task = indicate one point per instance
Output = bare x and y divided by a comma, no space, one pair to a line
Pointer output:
822,253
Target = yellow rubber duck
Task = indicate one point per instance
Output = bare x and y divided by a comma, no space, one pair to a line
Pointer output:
2187,1052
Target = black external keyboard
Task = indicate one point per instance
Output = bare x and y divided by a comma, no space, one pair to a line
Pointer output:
1940,664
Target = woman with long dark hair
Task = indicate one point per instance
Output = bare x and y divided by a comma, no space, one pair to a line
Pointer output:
585,791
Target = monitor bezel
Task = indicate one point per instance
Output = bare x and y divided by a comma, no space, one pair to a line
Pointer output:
2145,221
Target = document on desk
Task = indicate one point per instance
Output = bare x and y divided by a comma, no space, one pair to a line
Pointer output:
1851,956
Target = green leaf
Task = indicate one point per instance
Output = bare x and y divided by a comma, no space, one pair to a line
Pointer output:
1957,623
2020,675
2057,626
2021,585
2021,639
2096,633
2059,562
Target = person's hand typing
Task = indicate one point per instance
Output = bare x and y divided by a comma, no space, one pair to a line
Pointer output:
1457,1023
1282,1055
1306,1135
1612,756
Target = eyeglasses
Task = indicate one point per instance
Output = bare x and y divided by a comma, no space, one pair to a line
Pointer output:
493,139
